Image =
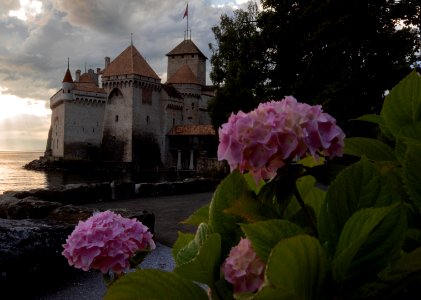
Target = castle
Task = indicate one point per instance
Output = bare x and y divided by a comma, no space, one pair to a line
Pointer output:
124,114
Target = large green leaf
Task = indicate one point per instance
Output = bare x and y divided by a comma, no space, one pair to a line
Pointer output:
402,106
182,241
205,266
264,235
296,269
369,241
358,186
412,173
248,207
371,148
372,118
154,284
409,263
189,252
312,196
199,216
233,187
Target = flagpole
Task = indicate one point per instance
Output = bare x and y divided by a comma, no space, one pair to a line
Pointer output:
187,33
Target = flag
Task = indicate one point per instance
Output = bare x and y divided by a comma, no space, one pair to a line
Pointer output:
186,12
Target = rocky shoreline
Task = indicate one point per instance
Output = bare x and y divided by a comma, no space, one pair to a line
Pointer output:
34,224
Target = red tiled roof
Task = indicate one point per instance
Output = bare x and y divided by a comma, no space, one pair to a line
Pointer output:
68,77
192,130
186,47
87,84
183,75
130,62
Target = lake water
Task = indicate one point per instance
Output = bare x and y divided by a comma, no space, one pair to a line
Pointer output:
13,177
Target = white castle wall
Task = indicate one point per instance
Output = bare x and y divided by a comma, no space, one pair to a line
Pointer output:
57,131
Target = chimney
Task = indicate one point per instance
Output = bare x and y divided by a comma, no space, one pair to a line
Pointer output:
107,61
77,75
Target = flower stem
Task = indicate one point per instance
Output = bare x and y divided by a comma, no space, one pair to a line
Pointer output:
310,217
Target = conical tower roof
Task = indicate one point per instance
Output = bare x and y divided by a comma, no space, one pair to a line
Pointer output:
186,47
68,77
183,75
130,62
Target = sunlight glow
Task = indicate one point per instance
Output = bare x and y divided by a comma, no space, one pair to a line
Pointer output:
28,9
12,106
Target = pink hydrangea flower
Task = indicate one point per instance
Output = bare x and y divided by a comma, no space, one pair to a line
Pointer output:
243,268
106,241
277,132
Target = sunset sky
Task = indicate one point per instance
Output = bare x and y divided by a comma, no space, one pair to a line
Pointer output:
37,37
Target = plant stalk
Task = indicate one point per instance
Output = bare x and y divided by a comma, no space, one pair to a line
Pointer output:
309,216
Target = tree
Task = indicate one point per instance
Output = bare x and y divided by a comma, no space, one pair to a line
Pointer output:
237,65
339,53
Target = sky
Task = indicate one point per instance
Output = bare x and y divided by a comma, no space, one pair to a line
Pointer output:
38,36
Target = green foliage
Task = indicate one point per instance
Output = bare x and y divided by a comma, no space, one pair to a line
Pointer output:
342,54
296,269
371,148
411,173
264,235
233,187
358,186
370,239
367,242
154,284
204,267
402,107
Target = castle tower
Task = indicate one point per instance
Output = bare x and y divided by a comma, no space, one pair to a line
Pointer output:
132,116
187,53
187,84
67,85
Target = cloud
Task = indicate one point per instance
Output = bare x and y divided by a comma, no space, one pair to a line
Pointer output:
34,52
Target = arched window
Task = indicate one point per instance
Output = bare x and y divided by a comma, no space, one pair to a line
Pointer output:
147,120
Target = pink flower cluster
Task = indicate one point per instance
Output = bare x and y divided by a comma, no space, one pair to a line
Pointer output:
243,268
106,241
264,139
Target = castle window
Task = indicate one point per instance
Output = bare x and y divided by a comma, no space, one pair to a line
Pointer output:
182,56
147,95
68,91
173,122
116,118
192,55
192,106
147,120
93,129
173,56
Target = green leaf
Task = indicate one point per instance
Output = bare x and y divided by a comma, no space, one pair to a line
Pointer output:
233,187
411,174
371,148
253,186
312,196
189,252
250,209
264,235
296,269
205,266
402,106
369,241
358,186
407,264
372,118
199,216
182,241
154,284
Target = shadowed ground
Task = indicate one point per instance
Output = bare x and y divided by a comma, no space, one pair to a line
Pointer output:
169,212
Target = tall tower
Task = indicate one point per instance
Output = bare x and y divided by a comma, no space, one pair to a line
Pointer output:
133,107
187,53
